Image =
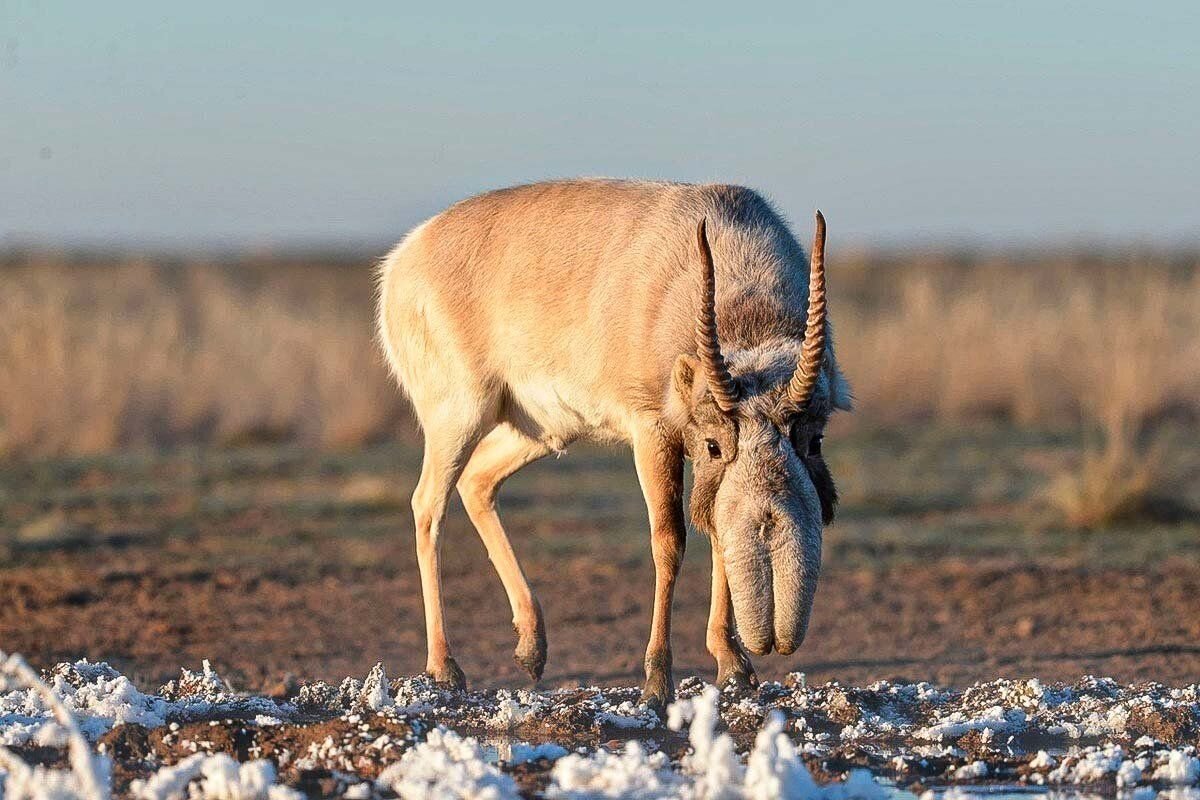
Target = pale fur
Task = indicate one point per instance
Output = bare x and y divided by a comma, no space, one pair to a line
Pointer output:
538,315
567,302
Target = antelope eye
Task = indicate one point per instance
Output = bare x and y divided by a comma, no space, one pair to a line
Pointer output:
714,449
814,445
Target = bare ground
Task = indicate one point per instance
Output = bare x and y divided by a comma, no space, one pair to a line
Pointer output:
274,562
950,622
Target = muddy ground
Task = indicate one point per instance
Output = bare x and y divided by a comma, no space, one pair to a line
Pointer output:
272,561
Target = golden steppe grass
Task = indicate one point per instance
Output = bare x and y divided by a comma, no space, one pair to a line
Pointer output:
1039,341
1110,345
104,353
100,356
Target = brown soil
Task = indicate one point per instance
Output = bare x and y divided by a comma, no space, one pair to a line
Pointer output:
137,751
944,621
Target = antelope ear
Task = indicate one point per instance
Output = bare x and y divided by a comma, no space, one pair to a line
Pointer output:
841,396
683,379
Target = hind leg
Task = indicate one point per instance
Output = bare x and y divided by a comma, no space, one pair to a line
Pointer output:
447,448
501,453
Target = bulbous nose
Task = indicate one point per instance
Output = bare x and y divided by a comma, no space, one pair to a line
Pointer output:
773,580
760,643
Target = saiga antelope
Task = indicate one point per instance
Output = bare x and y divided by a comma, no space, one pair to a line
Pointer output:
682,319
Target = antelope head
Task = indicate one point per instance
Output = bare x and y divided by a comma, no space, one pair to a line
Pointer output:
761,490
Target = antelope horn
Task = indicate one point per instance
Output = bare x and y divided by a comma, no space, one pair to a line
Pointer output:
720,382
800,388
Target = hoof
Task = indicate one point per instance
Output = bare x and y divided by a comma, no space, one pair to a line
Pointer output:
658,695
737,679
659,690
736,669
531,650
448,675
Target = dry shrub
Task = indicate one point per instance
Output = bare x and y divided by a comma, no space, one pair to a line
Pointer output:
1122,474
1116,481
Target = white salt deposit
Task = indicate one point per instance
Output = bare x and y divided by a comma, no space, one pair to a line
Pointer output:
214,777
521,753
95,694
446,766
774,769
1182,768
21,782
375,693
711,771
916,728
512,709
971,772
994,720
628,715
1129,774
99,698
633,773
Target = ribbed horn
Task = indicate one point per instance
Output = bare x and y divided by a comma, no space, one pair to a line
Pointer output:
720,382
804,379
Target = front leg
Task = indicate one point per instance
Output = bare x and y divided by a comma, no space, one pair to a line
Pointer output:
659,462
733,662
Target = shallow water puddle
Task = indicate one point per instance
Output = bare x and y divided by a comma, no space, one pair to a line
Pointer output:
1001,791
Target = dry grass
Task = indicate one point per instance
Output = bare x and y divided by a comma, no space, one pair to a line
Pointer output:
101,354
1117,480
1035,341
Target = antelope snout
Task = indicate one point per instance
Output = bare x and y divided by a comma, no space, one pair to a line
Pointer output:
772,572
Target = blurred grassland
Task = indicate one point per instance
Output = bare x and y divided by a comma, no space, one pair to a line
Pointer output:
107,353
916,496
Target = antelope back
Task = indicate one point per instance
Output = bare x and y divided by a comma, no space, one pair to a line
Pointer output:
582,293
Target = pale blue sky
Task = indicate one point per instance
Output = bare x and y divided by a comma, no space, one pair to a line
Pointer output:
233,123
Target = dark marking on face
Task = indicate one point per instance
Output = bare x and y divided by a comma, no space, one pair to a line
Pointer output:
807,445
711,440
707,478
818,472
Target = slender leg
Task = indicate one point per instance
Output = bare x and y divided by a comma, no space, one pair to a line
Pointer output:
446,453
732,660
659,465
501,453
